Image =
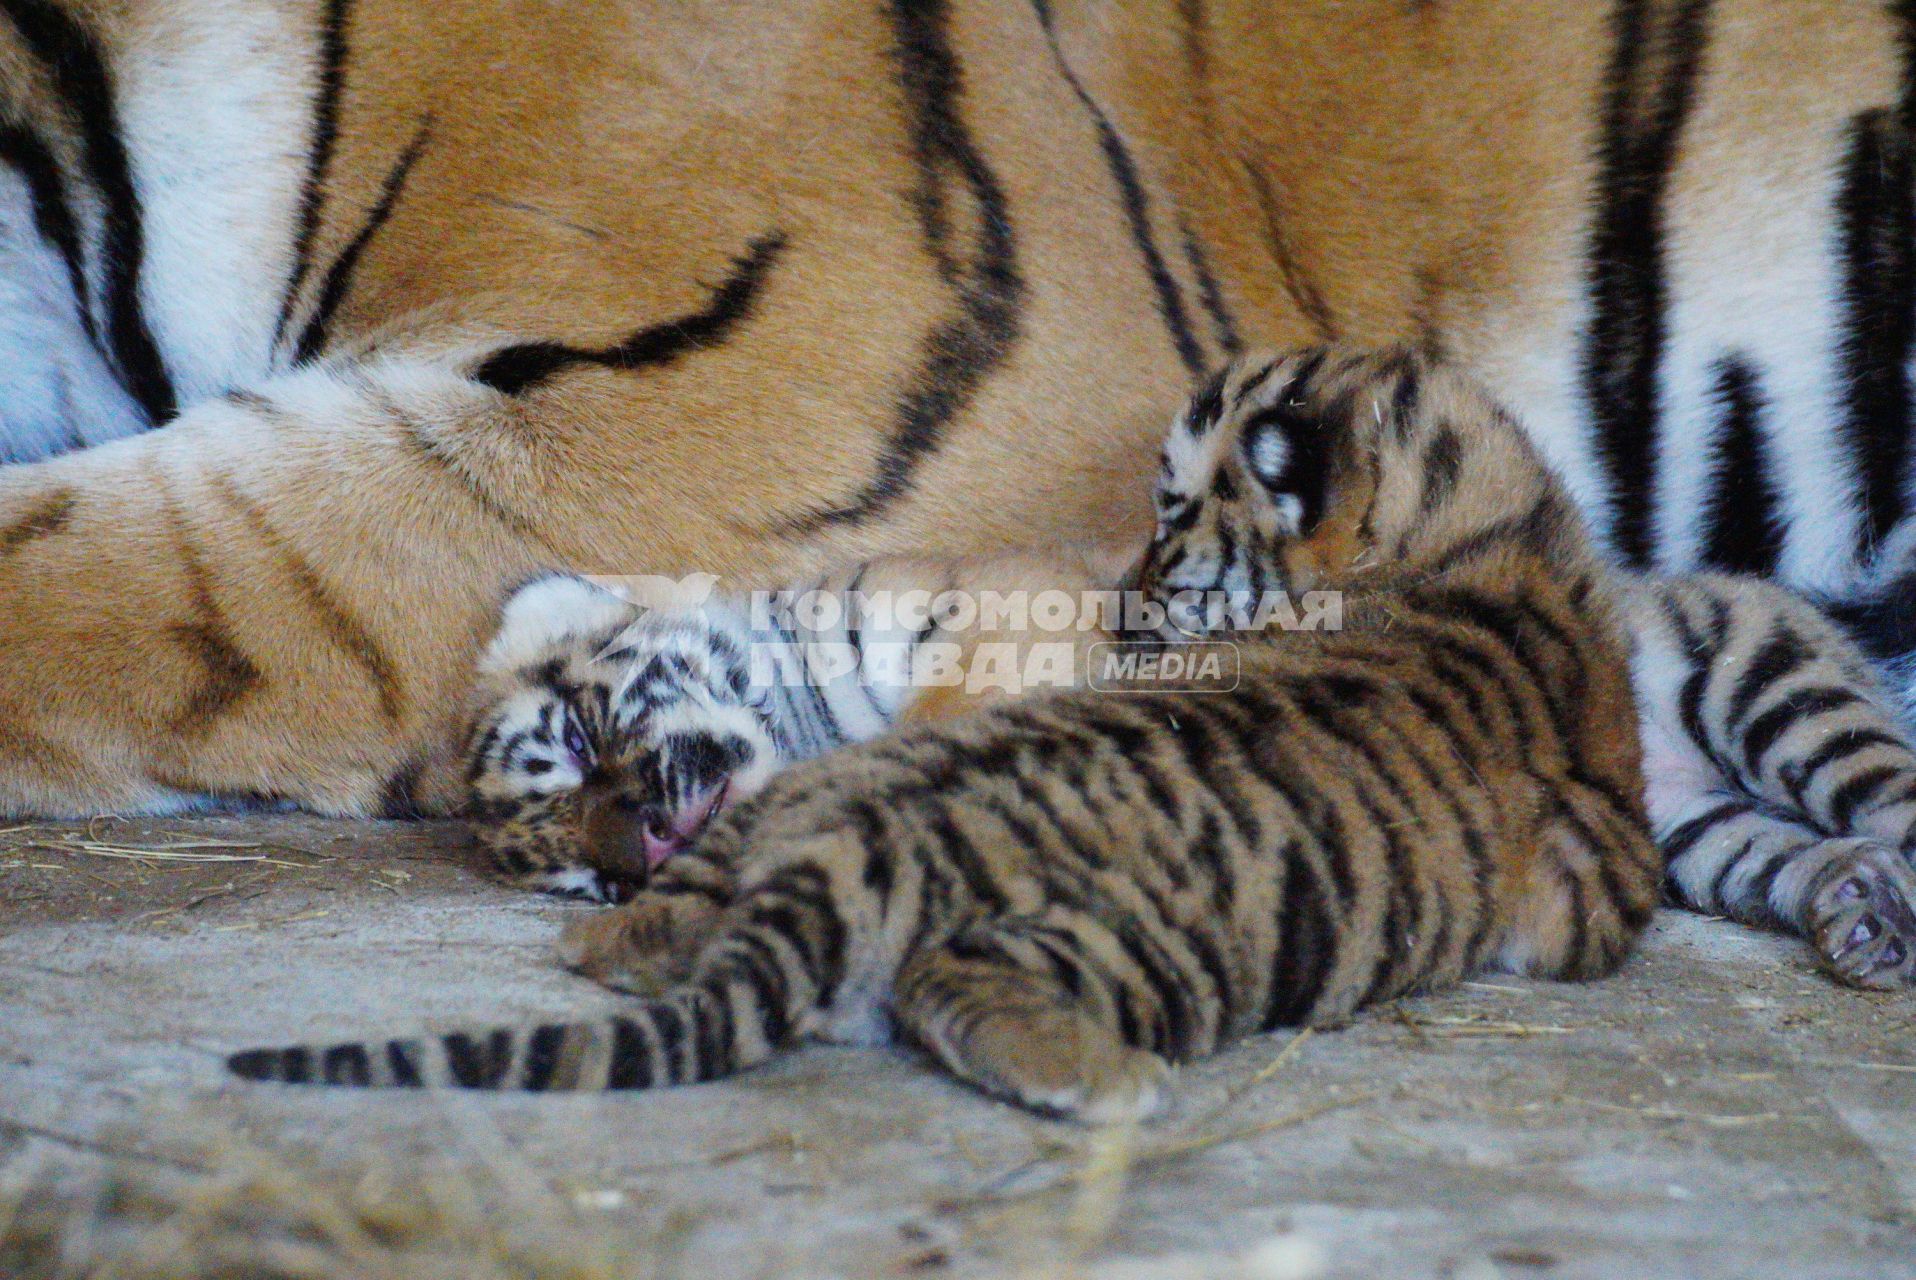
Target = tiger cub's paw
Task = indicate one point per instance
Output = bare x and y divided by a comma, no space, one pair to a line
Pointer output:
1060,1063
1862,921
1134,1086
644,946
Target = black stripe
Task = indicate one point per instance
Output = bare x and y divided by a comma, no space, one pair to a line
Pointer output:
1324,706
1780,656
1206,406
1136,202
51,515
1058,950
1426,333
1757,890
346,1064
1453,794
319,156
339,277
760,969
476,1065
256,1064
1326,824
1212,858
669,1025
1686,836
399,797
1690,709
1840,748
1799,706
631,1064
1298,282
1536,526
808,888
1858,791
80,77
711,1033
1649,87
1454,659
1407,397
1442,467
1175,1012
956,851
1210,293
1197,51
296,1065
1882,624
1306,943
1715,899
518,369
1876,211
1577,918
1742,518
542,1056
402,1059
963,350
27,152
1228,733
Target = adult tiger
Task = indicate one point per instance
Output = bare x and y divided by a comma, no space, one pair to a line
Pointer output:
423,299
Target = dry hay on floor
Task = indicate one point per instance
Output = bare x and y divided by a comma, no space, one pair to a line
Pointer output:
237,1213
225,1209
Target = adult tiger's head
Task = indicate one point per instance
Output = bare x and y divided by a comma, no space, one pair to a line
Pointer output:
1325,466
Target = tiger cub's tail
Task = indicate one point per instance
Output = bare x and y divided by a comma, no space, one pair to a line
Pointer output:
684,1036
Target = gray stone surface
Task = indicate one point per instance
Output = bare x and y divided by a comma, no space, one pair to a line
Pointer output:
1718,1110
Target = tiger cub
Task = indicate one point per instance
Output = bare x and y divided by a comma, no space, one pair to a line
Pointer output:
607,734
1781,785
1060,896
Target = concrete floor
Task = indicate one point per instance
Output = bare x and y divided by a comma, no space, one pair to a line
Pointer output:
1719,1110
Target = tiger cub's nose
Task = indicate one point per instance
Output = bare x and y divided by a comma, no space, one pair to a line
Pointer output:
664,835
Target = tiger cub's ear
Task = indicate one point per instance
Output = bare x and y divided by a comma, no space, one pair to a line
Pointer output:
548,612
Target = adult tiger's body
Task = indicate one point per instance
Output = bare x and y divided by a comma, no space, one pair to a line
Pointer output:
443,296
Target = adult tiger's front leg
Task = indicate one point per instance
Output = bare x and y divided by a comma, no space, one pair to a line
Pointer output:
275,596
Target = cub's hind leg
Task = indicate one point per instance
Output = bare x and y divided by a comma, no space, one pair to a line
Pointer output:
1008,1007
1781,786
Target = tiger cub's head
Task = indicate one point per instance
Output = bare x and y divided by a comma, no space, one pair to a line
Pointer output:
1322,466
605,736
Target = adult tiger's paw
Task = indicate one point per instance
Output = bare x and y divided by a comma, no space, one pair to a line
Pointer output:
1862,918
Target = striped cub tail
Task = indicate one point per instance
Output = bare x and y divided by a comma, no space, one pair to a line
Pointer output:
684,1036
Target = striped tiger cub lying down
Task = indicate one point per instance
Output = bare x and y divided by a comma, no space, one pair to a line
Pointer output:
1059,896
